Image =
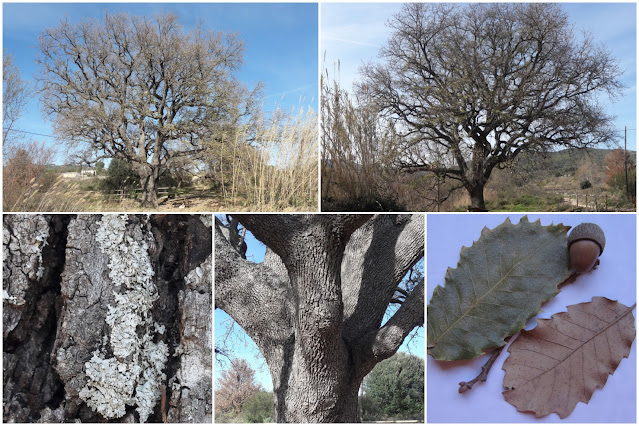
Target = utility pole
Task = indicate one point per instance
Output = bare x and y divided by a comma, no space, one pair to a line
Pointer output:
625,162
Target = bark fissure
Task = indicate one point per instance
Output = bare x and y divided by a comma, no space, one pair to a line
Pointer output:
62,325
30,382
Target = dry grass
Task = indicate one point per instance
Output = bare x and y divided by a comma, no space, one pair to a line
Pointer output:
276,172
269,166
358,151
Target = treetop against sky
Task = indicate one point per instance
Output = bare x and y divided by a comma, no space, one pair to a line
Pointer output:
280,47
352,34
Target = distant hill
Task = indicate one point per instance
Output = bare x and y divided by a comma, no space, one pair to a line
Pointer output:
63,168
565,162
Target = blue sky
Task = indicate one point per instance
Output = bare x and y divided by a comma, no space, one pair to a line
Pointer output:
244,347
352,34
280,43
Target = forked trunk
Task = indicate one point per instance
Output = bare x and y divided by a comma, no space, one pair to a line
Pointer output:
308,308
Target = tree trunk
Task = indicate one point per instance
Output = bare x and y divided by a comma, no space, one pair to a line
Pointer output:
315,305
149,190
70,283
305,401
476,193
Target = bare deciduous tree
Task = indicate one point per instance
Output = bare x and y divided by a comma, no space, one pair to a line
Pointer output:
15,95
141,90
316,304
482,83
25,171
236,385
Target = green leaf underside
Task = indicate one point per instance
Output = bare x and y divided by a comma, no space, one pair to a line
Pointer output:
500,282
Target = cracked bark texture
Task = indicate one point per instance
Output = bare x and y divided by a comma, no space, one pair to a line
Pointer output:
57,294
315,305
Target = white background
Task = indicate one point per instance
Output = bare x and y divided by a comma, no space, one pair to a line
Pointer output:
615,279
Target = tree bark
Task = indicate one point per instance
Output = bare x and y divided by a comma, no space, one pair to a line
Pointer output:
476,193
149,189
68,279
315,306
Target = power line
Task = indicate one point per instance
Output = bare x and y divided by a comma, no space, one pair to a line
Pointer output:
29,133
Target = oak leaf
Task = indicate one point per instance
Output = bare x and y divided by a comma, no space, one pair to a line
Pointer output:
500,282
564,359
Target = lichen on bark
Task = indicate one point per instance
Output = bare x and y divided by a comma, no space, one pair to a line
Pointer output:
134,374
23,239
109,301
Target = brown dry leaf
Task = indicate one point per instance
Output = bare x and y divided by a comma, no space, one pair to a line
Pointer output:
564,359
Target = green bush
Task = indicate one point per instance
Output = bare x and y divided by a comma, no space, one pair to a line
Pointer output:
226,417
259,408
395,389
585,184
120,175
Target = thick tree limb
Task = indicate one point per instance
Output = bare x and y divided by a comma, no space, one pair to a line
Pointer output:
289,228
381,344
253,295
368,284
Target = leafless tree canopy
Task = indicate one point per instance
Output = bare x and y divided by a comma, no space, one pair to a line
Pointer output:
472,86
235,386
15,94
141,89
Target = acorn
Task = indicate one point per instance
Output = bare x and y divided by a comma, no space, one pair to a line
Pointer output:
586,242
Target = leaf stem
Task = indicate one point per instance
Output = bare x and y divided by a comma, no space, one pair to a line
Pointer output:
464,386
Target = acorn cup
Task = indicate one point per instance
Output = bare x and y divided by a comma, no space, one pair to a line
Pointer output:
586,242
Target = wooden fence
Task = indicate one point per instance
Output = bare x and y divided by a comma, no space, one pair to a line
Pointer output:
590,202
136,193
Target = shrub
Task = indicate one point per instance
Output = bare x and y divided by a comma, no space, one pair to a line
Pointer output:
259,408
225,417
617,182
395,389
25,173
120,175
585,184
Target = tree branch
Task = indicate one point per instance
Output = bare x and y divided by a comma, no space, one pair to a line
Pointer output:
368,284
485,369
383,343
254,295
292,230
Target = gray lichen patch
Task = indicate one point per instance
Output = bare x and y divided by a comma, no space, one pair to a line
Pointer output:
23,239
207,219
110,386
133,375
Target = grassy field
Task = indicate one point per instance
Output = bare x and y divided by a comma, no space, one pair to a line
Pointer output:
71,195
